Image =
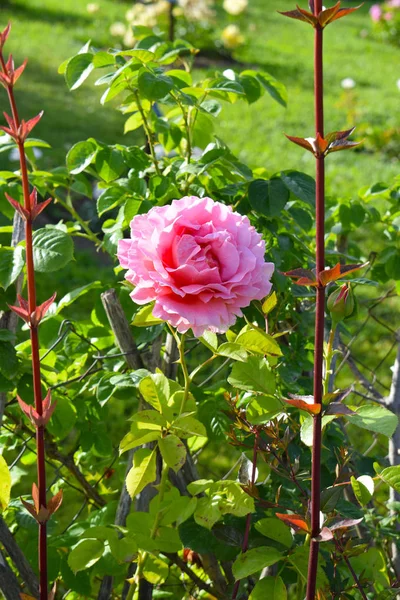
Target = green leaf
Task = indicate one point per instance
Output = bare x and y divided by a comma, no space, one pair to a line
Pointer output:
109,164
207,512
69,298
299,560
63,419
268,198
262,409
173,452
179,511
144,317
52,249
372,564
154,87
272,588
155,570
8,360
137,437
300,184
199,486
391,476
210,340
103,59
78,70
123,549
11,265
5,484
143,56
274,88
363,488
251,86
134,122
374,417
276,530
109,199
254,375
85,555
306,432
202,540
270,303
258,341
187,426
232,350
149,419
143,471
80,156
255,560
155,390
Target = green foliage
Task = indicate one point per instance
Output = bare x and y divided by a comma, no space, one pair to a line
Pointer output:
269,587
5,484
255,560
52,249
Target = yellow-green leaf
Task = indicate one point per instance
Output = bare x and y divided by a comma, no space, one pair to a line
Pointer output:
5,484
143,471
173,452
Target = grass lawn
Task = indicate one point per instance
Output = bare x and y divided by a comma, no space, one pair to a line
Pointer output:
284,47
48,32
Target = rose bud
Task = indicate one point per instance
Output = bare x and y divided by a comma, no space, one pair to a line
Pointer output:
341,303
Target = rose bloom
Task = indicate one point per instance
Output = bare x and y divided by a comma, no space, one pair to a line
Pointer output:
376,12
200,261
231,37
235,7
117,29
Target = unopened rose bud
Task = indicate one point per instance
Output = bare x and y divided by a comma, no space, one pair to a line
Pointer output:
341,303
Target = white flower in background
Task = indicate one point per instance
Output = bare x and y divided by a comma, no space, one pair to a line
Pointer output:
232,37
348,83
146,15
118,29
129,38
196,10
398,84
235,7
92,8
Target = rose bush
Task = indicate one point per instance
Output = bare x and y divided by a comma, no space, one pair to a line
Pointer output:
200,261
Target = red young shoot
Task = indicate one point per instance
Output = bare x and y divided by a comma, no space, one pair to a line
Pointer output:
31,313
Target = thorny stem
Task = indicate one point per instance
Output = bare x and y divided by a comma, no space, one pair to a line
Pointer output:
248,519
319,311
148,132
180,342
30,273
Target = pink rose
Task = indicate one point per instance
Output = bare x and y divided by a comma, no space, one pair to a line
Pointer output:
376,12
388,16
394,3
200,261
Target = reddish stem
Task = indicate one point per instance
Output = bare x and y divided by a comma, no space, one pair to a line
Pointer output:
348,563
30,275
245,544
319,312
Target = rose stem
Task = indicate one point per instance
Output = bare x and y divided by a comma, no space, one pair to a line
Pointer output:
30,274
319,311
248,519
